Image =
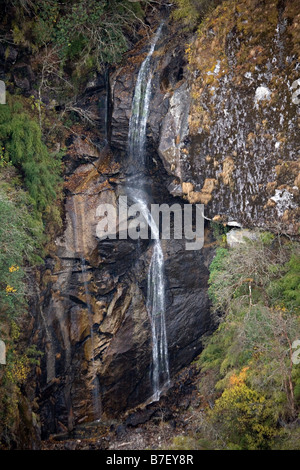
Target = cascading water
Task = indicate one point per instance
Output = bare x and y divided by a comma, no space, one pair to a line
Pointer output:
156,309
140,107
136,190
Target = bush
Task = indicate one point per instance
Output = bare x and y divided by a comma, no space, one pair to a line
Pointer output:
244,416
21,240
191,12
286,290
256,286
22,145
82,30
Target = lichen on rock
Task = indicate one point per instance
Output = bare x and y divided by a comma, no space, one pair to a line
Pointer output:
243,124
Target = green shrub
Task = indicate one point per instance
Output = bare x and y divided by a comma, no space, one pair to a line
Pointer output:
22,145
96,28
218,265
21,239
256,285
183,443
286,290
191,12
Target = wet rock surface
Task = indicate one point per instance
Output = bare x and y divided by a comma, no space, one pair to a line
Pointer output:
94,322
151,426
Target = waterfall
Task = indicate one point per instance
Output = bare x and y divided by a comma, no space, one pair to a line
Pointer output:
155,303
156,308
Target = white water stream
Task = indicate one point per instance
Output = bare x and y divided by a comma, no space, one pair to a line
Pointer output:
156,280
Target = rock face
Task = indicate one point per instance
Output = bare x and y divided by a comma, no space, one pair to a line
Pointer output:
236,237
232,128
97,329
95,326
223,131
175,129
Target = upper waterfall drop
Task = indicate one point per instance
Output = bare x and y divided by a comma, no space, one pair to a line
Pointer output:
135,187
140,107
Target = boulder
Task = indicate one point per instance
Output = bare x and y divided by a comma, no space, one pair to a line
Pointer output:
237,236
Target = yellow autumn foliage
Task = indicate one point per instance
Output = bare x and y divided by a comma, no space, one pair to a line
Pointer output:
13,268
9,289
238,379
244,415
20,370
